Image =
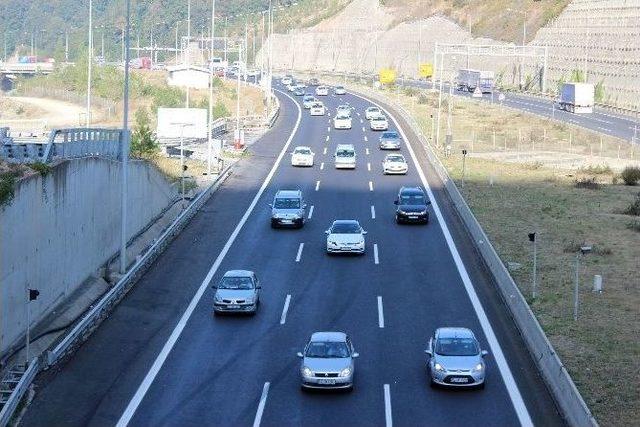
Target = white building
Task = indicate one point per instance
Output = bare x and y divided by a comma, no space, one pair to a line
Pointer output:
188,76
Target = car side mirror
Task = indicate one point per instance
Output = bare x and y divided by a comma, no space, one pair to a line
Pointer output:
395,202
354,355
364,232
304,206
428,353
214,287
483,353
428,202
299,354
258,286
326,231
270,205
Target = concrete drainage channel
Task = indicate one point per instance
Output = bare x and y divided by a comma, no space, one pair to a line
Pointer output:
15,388
556,377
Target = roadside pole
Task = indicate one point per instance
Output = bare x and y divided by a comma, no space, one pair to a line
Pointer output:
125,145
89,64
534,289
210,128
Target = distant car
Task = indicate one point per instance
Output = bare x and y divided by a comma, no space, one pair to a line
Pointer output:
292,87
344,109
308,101
394,164
328,361
345,236
288,209
371,112
237,292
455,359
302,156
379,123
298,91
339,90
322,91
287,80
342,121
390,140
317,109
314,81
302,85
252,72
412,205
345,156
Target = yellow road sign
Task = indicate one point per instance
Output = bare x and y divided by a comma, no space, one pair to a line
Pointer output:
387,76
426,70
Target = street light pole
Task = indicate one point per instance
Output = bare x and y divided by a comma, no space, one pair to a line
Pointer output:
440,99
209,130
125,144
89,63
534,285
188,46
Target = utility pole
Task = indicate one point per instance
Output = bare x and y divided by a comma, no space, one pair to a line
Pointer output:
125,144
534,285
209,130
188,46
32,295
102,45
440,99
89,63
66,45
225,39
177,22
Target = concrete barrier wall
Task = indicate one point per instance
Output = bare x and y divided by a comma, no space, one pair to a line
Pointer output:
59,229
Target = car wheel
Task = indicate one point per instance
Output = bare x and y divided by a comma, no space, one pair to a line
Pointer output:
432,383
274,224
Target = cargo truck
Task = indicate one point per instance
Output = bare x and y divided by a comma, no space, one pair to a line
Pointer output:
576,97
469,80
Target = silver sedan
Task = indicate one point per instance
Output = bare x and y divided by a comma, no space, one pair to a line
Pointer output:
237,292
327,362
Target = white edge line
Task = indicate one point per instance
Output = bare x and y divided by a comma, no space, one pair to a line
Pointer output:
387,406
261,405
285,309
380,313
310,212
299,254
376,259
507,377
177,331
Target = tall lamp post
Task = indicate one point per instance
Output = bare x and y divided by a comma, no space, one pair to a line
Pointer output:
89,64
534,285
125,142
210,128
182,165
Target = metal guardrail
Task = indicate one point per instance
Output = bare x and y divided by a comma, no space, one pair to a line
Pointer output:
558,380
218,127
19,391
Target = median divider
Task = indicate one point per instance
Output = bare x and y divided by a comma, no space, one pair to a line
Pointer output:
556,377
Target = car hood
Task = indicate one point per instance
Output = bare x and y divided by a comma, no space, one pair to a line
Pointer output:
345,159
234,293
394,163
346,238
454,363
412,208
326,365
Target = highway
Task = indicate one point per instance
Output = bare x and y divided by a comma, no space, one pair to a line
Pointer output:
162,358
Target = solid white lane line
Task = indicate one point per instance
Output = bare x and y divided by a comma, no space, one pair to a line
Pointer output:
135,401
310,212
366,150
365,138
321,165
369,166
317,185
370,186
324,151
263,402
373,212
376,260
299,254
285,309
358,114
387,406
507,376
380,313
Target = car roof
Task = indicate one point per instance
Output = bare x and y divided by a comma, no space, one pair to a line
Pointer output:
390,132
289,193
454,332
346,221
329,336
379,117
345,147
238,273
389,156
373,107
411,190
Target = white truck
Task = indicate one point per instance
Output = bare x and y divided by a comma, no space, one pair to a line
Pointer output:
576,97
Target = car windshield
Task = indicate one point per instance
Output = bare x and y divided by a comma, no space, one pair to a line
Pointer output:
339,87
346,228
345,153
457,347
390,135
286,203
395,159
412,199
302,151
342,117
378,118
327,350
236,283
308,98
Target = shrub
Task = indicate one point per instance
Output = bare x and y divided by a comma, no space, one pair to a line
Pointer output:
409,91
422,98
634,226
143,141
596,170
634,207
42,168
631,175
588,183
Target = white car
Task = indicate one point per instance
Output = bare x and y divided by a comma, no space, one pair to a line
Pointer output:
302,156
322,91
345,156
394,164
371,112
345,236
379,123
308,101
286,80
339,90
344,109
317,109
291,87
342,121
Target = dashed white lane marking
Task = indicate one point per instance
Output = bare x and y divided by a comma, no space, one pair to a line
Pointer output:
373,212
317,185
263,402
310,212
365,138
363,129
322,165
324,151
370,185
376,258
299,254
380,313
361,121
366,150
387,407
328,128
327,139
285,309
358,114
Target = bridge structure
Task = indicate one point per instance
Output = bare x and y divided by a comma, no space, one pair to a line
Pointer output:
15,68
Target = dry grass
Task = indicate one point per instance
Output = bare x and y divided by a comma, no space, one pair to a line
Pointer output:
10,109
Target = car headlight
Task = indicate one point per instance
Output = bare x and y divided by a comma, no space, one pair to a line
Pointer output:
345,372
401,212
478,368
216,298
438,367
307,372
332,243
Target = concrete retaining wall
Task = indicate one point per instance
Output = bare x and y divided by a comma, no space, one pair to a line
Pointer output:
59,229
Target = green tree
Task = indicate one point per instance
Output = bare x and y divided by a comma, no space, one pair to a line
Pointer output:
143,141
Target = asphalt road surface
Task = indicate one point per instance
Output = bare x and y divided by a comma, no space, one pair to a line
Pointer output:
162,358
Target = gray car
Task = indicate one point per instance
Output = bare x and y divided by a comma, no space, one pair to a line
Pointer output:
455,359
288,209
237,292
390,140
327,362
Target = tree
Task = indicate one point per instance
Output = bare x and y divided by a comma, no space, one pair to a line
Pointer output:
143,141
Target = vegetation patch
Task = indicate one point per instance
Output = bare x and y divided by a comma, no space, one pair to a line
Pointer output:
588,183
630,175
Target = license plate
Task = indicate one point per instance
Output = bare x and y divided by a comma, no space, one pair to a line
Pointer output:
233,307
413,215
286,221
459,380
327,382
